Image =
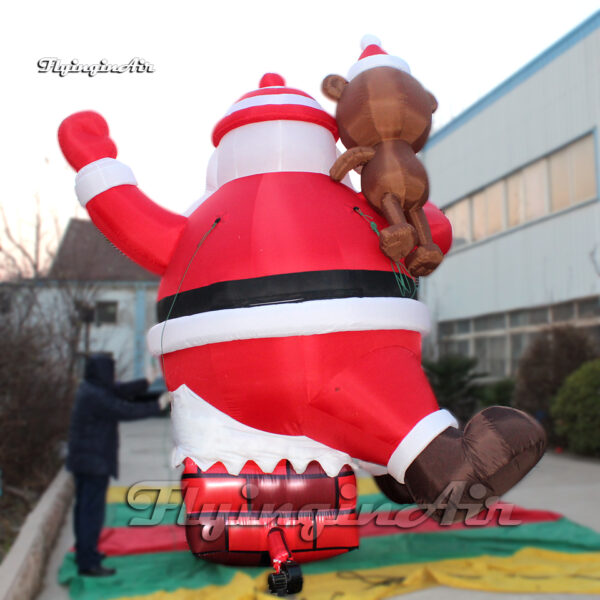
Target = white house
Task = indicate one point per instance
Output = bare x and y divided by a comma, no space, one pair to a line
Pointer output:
119,297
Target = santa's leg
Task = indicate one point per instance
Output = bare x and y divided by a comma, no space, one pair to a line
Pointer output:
364,393
380,409
280,519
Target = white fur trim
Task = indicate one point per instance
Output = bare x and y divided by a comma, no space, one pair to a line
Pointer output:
377,60
285,320
207,435
373,469
369,40
99,176
279,99
417,440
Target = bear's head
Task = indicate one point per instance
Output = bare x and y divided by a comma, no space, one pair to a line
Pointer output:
382,103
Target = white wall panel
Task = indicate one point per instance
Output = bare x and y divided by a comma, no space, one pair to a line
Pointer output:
541,263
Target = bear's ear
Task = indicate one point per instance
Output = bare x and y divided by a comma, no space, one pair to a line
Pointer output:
333,86
434,103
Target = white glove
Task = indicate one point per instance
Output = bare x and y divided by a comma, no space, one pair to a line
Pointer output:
164,400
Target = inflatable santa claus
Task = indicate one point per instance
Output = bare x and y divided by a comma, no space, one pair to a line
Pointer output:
290,342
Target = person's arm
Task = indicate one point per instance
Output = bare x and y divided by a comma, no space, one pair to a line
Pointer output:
128,390
107,405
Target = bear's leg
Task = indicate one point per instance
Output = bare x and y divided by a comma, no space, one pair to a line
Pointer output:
397,240
427,256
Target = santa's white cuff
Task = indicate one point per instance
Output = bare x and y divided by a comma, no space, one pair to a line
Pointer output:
99,176
371,468
417,440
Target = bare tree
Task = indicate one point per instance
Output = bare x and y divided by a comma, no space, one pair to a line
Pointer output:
28,257
41,323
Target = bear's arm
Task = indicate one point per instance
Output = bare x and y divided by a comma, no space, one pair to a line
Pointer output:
351,159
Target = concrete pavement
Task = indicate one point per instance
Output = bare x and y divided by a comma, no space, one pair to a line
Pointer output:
560,483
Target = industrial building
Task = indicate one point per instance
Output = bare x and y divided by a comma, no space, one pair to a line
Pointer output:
517,175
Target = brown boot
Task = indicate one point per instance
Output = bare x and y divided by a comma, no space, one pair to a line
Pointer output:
393,490
460,473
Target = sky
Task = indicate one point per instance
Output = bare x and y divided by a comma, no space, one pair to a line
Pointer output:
207,54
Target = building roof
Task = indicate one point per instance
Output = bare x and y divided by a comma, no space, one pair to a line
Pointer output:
85,254
580,32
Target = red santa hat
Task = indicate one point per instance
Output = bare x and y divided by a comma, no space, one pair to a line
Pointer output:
273,101
374,56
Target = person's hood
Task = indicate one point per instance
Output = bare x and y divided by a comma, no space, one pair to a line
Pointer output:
100,370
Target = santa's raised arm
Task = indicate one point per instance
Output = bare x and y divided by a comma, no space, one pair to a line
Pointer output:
107,188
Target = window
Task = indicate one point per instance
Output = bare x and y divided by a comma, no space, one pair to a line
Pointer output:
497,356
538,316
518,318
462,348
481,352
584,169
489,322
479,216
491,355
459,215
522,318
454,348
534,178
495,208
499,340
446,328
463,326
563,312
573,174
106,312
518,343
514,192
589,308
560,180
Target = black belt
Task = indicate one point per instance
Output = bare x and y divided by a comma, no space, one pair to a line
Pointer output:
278,289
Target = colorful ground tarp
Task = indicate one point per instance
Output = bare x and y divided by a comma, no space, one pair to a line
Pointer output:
545,553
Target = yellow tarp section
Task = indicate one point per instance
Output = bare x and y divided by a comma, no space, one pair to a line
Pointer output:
527,571
148,491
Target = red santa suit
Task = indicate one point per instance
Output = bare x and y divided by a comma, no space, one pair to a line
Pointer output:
283,330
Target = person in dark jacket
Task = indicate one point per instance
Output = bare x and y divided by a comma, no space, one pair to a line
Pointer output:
100,404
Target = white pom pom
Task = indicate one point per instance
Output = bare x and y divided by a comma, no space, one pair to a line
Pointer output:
369,40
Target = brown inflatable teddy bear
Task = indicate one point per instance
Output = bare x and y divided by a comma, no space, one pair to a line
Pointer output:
384,119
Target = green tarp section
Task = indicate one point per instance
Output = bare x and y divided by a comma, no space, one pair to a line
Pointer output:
146,573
